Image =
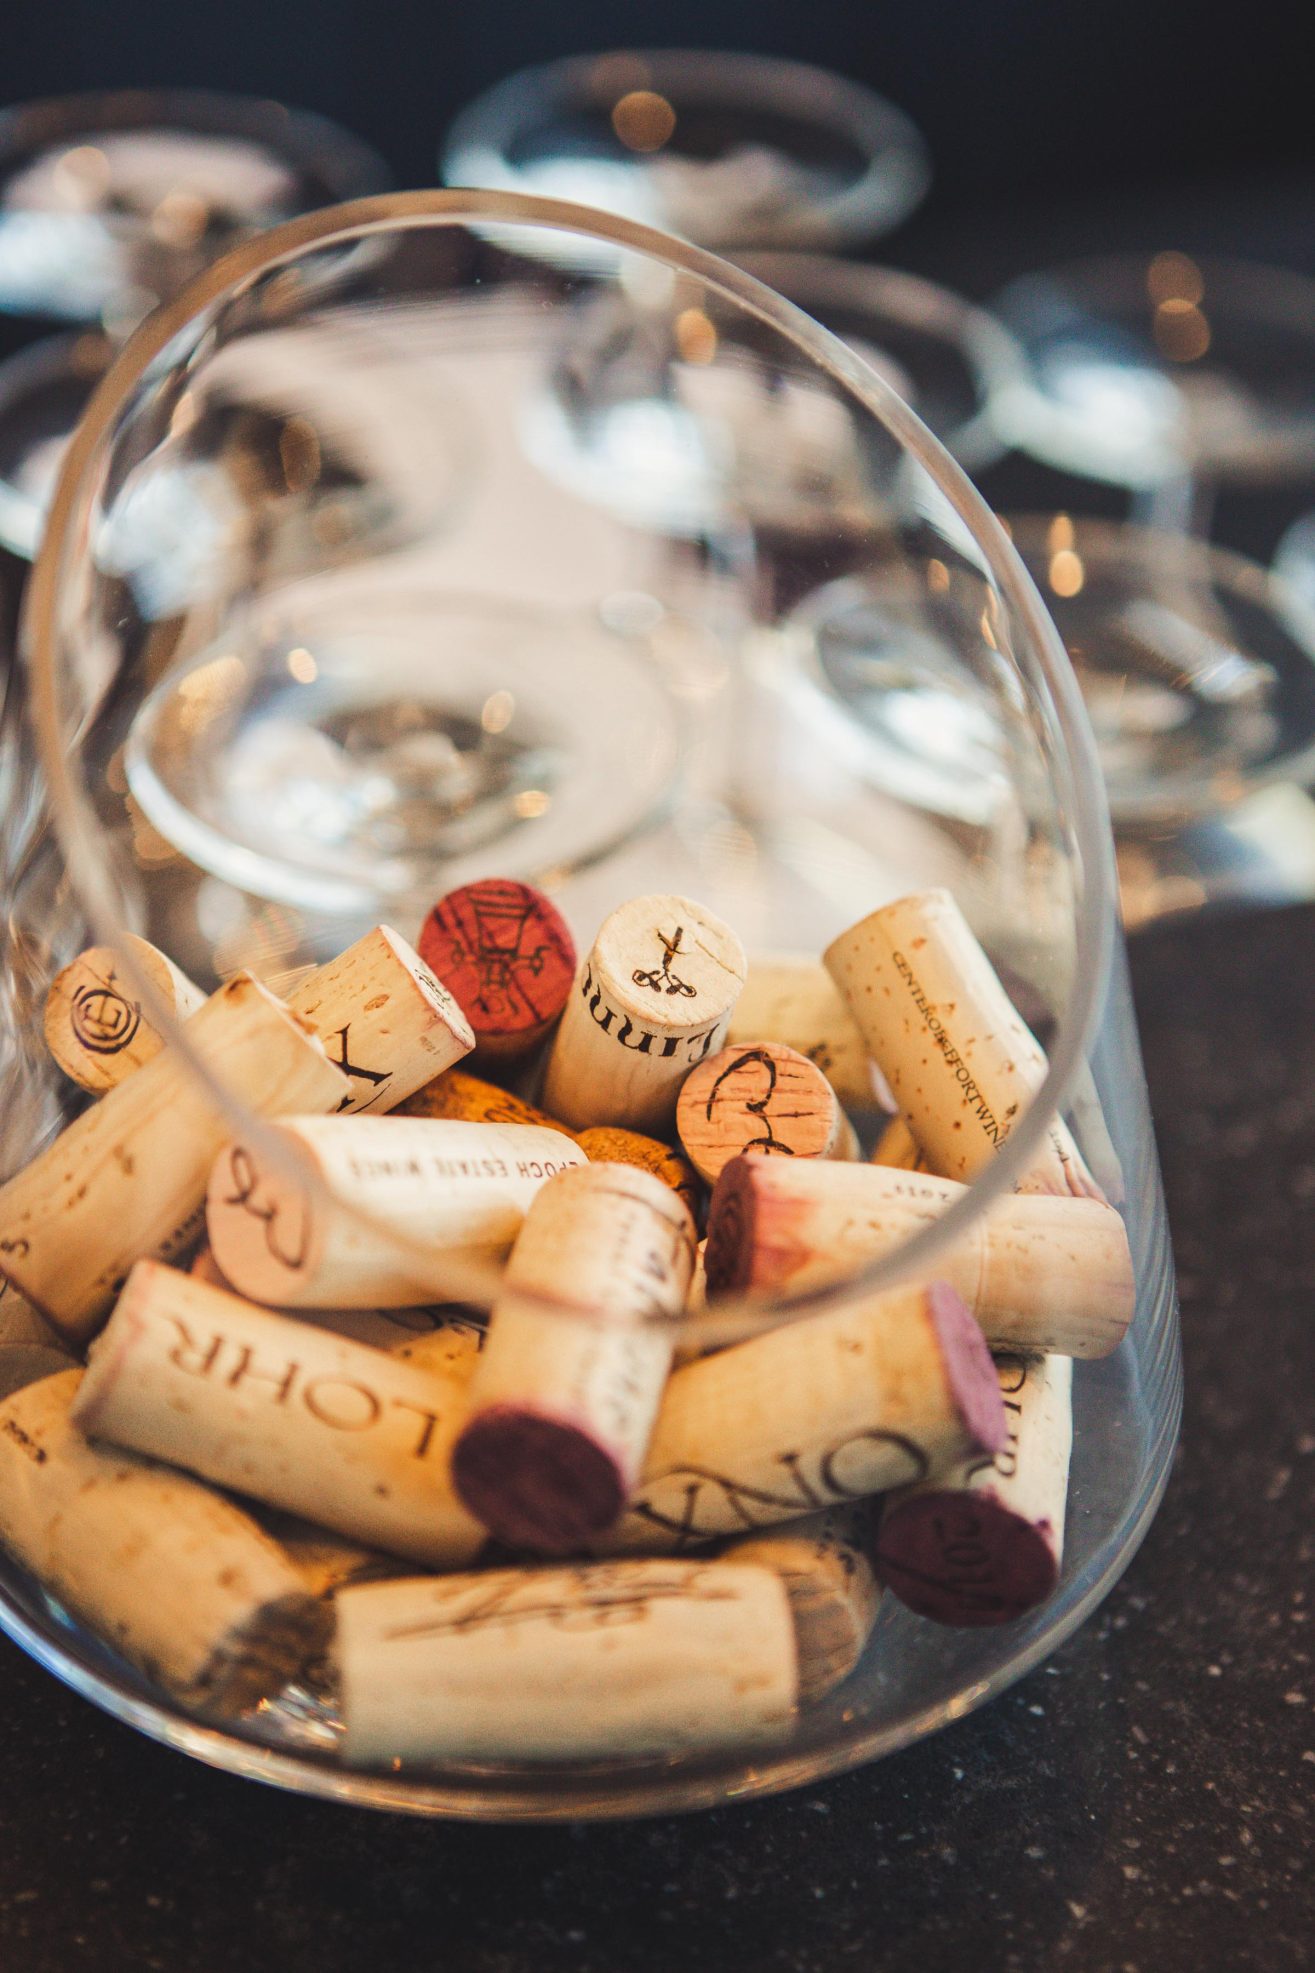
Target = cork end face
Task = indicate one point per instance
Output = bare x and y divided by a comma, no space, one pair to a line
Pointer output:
256,1660
436,995
506,955
536,1482
670,963
728,1256
265,1235
969,1371
964,1558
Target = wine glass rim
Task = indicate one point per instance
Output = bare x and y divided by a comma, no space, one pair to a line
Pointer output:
351,165
1072,754
875,202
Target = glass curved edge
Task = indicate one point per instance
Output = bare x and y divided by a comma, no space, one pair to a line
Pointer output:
595,1797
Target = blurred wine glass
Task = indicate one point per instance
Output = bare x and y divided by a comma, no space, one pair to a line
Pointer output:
1189,384
1170,377
1198,672
728,150
109,205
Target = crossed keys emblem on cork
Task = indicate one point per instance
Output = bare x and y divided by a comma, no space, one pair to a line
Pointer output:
661,978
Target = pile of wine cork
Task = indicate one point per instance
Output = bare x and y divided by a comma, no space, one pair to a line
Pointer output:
248,1437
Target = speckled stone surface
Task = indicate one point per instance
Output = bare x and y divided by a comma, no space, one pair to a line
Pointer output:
1142,1804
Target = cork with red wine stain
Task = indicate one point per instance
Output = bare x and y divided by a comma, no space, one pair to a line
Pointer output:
579,1347
983,1545
538,1481
506,954
1040,1271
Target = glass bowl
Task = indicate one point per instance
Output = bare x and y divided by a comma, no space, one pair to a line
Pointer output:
729,150
664,687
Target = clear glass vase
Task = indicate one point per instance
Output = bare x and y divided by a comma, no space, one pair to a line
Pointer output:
264,730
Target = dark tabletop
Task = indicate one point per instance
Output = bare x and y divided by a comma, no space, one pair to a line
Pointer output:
1141,1804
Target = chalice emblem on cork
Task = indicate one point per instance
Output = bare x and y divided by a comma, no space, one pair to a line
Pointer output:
506,954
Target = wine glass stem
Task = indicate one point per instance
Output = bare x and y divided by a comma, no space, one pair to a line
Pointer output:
1181,505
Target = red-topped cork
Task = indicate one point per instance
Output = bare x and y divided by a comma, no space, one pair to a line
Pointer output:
507,956
982,1543
966,1559
537,1482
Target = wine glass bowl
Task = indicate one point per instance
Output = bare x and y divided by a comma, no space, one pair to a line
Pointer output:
618,674
110,204
728,150
1144,369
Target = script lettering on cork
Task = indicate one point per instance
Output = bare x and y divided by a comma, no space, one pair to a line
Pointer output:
603,1597
286,1218
662,979
698,1503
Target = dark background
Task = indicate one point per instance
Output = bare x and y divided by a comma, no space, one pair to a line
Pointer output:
1018,98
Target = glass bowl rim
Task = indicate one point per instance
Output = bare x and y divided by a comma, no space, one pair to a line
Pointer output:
861,211
992,353
1078,784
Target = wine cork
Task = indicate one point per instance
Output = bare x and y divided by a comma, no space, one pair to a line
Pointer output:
880,1394
795,1001
762,1097
610,1146
1037,1271
289,1237
387,1023
329,1429
95,1026
651,1001
629,1658
825,1564
127,1177
508,956
175,1577
897,1147
983,1544
962,1064
459,1097
562,1404
696,1297
29,1347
